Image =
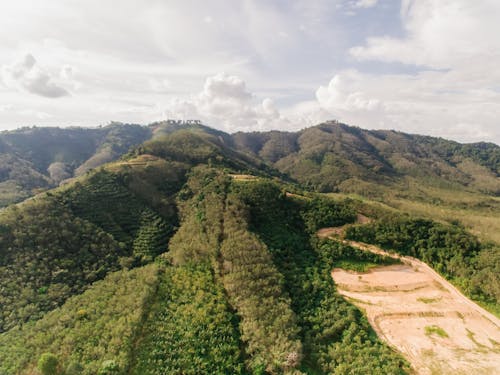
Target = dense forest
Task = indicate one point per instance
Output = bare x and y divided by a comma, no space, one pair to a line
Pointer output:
165,261
337,157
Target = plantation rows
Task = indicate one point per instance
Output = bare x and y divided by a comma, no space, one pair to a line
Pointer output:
55,246
91,331
190,328
336,337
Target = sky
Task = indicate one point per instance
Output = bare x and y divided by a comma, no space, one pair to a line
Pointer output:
420,66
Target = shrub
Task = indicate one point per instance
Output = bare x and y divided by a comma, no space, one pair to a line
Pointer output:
48,363
109,367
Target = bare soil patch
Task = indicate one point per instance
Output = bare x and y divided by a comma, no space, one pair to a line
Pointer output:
339,231
423,316
243,177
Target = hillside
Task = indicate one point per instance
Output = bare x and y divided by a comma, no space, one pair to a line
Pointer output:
38,158
337,157
329,157
35,159
168,261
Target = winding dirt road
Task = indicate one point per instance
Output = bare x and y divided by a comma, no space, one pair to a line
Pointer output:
418,312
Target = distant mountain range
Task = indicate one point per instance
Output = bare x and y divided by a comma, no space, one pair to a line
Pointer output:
328,157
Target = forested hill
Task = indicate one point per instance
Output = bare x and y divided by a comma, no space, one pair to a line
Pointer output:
154,265
328,157
34,158
337,157
188,255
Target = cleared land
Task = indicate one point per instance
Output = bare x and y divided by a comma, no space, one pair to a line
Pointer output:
243,177
478,212
422,315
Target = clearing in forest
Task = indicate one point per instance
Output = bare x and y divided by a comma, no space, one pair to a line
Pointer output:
418,312
243,177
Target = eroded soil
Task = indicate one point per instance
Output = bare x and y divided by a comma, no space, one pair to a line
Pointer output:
415,310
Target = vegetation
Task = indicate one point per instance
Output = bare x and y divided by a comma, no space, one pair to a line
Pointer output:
217,232
190,328
255,288
435,330
333,157
323,212
38,158
161,263
56,245
89,330
47,364
449,249
331,329
428,300
101,198
46,255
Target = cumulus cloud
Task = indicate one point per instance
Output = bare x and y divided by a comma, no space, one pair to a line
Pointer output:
454,92
27,75
341,94
427,103
439,34
285,49
225,102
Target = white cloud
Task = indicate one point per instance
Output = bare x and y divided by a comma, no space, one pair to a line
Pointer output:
440,34
341,94
365,3
454,94
26,75
226,103
127,70
427,103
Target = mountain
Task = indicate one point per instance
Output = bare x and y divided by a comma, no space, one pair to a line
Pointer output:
196,252
330,157
35,158
336,157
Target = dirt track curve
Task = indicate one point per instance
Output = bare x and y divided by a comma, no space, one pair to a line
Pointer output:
417,311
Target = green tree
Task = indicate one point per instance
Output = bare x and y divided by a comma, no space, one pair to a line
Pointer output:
74,368
48,364
109,367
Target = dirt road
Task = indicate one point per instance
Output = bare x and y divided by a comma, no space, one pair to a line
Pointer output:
422,315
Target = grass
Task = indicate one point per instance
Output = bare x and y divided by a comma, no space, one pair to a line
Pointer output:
355,265
356,300
471,337
435,330
480,213
492,307
496,345
429,300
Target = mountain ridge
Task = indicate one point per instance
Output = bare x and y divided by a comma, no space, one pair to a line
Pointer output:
324,157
